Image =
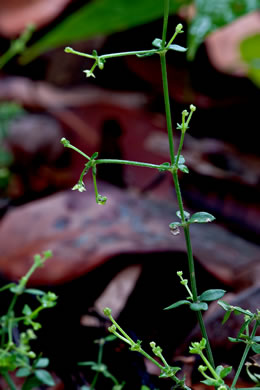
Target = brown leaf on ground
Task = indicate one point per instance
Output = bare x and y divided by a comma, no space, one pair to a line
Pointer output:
84,235
16,14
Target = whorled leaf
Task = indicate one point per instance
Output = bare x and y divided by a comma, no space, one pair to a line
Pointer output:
212,295
177,304
197,306
201,217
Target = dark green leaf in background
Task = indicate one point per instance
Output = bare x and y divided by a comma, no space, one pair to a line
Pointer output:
101,17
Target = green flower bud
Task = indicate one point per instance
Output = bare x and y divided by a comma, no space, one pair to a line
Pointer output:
192,108
179,28
31,355
202,369
107,311
179,273
112,329
65,142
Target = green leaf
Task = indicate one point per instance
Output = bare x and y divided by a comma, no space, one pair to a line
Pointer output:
225,372
234,340
186,214
177,304
211,15
183,168
243,327
42,363
94,155
226,317
256,339
31,383
212,295
211,382
23,372
197,306
178,48
86,363
164,167
256,348
110,337
27,310
201,217
148,54
34,291
7,286
181,159
157,42
45,377
250,53
226,306
100,17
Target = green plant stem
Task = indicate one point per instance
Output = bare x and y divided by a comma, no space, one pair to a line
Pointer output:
180,148
211,369
112,55
6,57
78,150
165,21
167,105
99,361
127,162
205,335
177,186
192,267
243,359
9,380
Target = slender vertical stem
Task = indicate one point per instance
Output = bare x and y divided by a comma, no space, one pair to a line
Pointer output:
242,362
99,361
167,105
180,148
176,181
192,268
187,238
165,21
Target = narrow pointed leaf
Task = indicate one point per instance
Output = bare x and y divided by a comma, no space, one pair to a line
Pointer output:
177,304
225,372
34,291
183,168
45,377
256,348
178,48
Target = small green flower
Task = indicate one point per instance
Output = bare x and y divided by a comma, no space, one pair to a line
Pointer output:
79,187
89,73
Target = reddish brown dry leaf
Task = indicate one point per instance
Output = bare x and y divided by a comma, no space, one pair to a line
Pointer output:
16,14
83,235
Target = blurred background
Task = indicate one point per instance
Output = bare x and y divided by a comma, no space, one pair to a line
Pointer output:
45,95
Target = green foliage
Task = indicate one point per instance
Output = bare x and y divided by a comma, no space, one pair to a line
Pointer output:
17,355
250,53
195,302
100,368
211,15
100,17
